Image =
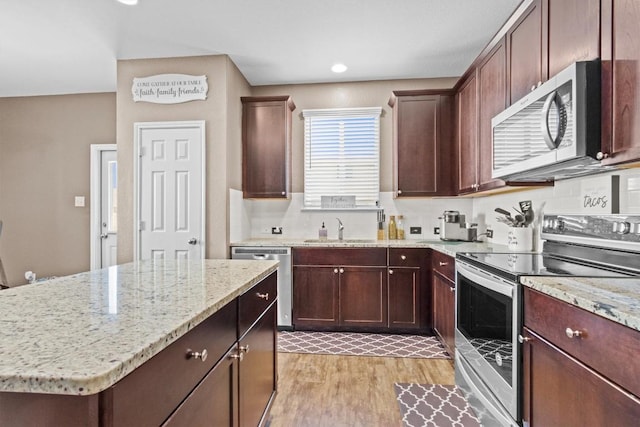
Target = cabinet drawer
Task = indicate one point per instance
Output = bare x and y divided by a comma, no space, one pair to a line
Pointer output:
444,264
255,301
606,346
340,256
148,395
403,257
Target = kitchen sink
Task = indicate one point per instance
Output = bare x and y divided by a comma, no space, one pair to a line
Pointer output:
442,242
340,241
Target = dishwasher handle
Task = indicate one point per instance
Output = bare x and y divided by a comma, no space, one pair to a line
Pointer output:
261,256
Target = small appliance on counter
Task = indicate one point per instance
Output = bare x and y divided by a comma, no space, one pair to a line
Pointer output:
454,227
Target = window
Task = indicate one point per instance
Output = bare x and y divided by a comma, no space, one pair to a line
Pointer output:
342,155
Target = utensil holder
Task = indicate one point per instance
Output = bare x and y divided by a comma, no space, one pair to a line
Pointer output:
520,239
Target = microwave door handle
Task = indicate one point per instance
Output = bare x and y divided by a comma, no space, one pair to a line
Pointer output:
546,132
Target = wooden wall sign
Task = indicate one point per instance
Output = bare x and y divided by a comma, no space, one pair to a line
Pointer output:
169,88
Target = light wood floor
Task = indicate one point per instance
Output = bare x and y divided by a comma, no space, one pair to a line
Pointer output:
318,390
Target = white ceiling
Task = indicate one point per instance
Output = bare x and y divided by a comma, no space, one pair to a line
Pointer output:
71,46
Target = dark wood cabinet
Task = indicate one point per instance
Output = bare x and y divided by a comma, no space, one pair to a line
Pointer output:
591,378
315,296
573,32
492,98
467,131
526,57
363,297
409,296
620,80
443,289
423,144
266,146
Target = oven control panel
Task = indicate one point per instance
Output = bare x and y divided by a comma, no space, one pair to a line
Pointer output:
616,228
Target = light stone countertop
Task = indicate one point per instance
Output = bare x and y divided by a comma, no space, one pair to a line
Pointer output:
80,334
447,247
613,299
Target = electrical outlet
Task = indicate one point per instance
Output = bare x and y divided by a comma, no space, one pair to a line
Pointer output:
276,230
436,230
489,233
415,230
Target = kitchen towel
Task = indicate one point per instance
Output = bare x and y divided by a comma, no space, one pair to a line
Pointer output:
361,344
434,405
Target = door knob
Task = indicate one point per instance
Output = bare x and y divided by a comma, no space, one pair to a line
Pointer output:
104,235
192,241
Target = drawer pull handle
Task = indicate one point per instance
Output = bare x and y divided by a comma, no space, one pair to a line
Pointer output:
244,348
238,356
523,340
197,355
403,257
264,296
573,333
442,264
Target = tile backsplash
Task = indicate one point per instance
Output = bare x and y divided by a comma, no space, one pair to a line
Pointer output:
255,218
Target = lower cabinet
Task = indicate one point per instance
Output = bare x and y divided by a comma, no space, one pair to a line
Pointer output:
363,297
579,369
443,288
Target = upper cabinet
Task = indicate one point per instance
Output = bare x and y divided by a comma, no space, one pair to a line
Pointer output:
620,80
467,117
423,143
266,146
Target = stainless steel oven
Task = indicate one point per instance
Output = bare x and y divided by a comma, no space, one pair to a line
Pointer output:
489,307
488,322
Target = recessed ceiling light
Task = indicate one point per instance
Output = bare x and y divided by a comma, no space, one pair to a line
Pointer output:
129,2
339,68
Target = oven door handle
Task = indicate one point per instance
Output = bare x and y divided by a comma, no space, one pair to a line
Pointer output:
488,281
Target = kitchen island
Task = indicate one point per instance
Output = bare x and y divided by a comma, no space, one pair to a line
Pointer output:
93,343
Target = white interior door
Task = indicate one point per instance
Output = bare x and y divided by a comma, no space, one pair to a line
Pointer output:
170,190
108,208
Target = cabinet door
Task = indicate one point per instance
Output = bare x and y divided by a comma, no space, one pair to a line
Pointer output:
315,296
467,137
257,369
404,297
214,401
621,79
561,391
492,87
444,310
266,147
363,297
574,32
422,145
525,53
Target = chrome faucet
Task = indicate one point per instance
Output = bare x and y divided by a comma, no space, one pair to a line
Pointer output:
340,228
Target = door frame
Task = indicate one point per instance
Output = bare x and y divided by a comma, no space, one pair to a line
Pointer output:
138,128
95,193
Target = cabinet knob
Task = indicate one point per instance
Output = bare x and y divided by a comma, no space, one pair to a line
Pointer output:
390,271
452,289
238,356
244,348
264,296
399,191
335,271
442,264
284,193
197,355
600,155
573,333
403,257
341,270
523,340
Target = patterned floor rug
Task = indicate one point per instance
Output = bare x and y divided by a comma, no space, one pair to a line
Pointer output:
361,344
434,405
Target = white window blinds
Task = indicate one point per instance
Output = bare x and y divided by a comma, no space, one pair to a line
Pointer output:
342,155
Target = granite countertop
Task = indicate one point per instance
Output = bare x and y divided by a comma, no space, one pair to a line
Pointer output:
447,247
80,334
613,299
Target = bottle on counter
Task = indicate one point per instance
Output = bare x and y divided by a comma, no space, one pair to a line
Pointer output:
322,233
400,227
393,231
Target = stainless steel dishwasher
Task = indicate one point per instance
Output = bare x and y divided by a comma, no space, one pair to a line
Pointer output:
284,275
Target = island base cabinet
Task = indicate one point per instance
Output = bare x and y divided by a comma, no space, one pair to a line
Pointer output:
561,391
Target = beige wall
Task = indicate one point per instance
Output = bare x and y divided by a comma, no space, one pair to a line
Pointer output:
44,162
222,132
345,95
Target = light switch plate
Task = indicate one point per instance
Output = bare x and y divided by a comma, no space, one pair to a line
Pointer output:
79,202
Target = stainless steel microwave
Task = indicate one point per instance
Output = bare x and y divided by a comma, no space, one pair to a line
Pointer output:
554,131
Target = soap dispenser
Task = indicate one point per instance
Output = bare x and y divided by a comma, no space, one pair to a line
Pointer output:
322,233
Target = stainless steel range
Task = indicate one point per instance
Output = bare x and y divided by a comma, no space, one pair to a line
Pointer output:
489,301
